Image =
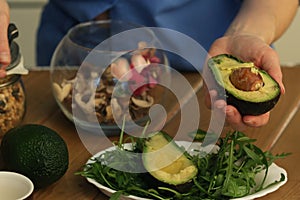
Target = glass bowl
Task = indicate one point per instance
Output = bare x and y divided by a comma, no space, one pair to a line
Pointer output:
107,72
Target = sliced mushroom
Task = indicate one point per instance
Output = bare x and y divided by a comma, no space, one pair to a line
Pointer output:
109,89
87,107
143,103
93,93
101,95
80,85
100,117
62,92
100,89
57,90
66,90
100,101
68,81
109,115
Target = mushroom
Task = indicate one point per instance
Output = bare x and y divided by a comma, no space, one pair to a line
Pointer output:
109,89
100,101
62,92
109,114
88,106
143,103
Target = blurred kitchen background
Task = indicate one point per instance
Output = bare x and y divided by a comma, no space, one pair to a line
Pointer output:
26,14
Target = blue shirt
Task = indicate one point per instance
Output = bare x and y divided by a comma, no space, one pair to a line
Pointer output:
202,20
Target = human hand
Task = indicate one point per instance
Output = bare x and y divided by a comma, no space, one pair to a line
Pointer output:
248,48
4,46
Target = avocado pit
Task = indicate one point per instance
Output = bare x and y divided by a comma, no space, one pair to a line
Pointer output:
246,79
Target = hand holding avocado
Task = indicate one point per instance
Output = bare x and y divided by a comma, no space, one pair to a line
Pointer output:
248,49
255,27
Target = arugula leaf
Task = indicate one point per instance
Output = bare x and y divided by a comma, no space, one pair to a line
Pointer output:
229,173
117,195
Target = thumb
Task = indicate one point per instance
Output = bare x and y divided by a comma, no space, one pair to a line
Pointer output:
271,64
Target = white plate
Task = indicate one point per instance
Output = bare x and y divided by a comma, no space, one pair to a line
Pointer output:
274,174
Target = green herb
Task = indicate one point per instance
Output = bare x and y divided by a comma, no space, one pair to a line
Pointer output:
227,174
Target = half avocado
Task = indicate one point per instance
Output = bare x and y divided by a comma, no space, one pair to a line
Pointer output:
250,89
166,161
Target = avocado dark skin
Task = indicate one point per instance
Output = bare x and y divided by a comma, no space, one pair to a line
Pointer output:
250,108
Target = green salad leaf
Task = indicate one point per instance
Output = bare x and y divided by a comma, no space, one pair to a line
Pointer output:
229,173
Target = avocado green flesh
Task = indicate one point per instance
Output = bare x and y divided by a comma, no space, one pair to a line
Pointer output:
224,65
247,102
166,162
269,91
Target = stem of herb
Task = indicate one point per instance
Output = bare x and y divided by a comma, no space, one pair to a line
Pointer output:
121,134
145,128
230,162
146,192
104,179
199,186
177,194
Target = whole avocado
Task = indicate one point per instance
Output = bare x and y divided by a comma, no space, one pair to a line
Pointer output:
37,152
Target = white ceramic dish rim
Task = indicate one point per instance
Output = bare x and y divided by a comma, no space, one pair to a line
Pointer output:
26,180
274,174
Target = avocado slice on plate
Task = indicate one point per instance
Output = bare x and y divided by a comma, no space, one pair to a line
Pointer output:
166,161
250,89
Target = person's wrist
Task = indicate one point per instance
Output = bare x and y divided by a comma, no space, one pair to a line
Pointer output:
264,29
267,37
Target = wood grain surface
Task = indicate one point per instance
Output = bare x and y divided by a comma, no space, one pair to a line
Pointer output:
281,134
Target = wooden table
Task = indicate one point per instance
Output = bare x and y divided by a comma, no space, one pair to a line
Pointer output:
281,134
